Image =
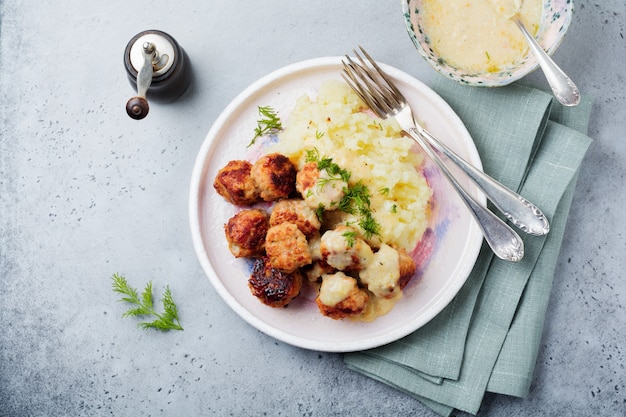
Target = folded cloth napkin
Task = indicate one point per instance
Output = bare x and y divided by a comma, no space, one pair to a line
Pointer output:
488,337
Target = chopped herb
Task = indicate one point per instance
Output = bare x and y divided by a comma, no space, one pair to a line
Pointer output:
350,236
312,155
318,134
369,225
487,53
356,199
319,212
327,164
268,123
384,191
394,208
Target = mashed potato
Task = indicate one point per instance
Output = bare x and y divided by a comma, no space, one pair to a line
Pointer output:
338,125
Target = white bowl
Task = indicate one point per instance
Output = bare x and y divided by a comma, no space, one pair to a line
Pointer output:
555,20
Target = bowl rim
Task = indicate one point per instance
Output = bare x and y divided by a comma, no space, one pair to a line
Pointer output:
561,17
200,185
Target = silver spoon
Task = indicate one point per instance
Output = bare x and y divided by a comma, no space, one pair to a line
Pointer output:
562,86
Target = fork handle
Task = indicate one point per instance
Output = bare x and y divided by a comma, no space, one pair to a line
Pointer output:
521,212
503,240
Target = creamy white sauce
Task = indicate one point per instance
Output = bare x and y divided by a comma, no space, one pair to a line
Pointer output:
382,274
335,288
342,254
379,306
314,247
479,35
326,193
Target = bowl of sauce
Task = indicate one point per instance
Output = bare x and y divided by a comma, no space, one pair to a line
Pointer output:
475,42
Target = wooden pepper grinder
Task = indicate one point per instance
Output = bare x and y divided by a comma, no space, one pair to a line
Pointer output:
158,68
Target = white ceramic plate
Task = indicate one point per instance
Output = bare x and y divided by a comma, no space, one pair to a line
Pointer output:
445,256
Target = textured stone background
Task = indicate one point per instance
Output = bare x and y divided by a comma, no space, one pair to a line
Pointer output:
86,192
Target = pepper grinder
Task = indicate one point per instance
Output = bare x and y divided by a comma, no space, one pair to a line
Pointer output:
158,68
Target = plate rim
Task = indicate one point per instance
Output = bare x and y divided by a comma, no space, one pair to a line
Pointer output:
201,167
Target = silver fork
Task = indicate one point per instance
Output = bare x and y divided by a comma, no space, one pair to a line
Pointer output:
377,90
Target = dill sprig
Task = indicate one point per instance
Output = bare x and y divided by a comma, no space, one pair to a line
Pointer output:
268,123
326,164
356,199
168,320
350,236
319,212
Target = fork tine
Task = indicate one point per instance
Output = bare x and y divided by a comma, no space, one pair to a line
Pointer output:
382,73
353,78
350,77
373,84
367,87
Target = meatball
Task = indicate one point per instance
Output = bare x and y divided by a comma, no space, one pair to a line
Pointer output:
341,297
382,276
341,248
318,188
287,247
272,286
314,247
235,184
315,271
407,267
275,176
298,213
246,231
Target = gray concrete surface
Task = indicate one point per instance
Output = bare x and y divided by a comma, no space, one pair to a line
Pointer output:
86,192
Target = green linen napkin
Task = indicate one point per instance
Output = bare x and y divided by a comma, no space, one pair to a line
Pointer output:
487,338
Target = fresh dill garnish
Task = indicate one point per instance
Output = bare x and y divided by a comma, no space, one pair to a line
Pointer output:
319,212
326,164
168,320
350,236
312,155
384,191
268,123
487,53
394,208
318,134
369,225
356,199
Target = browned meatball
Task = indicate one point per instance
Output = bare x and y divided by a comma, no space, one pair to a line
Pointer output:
383,276
407,267
307,177
275,176
319,188
341,297
343,249
287,247
298,213
235,184
246,231
315,271
272,286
